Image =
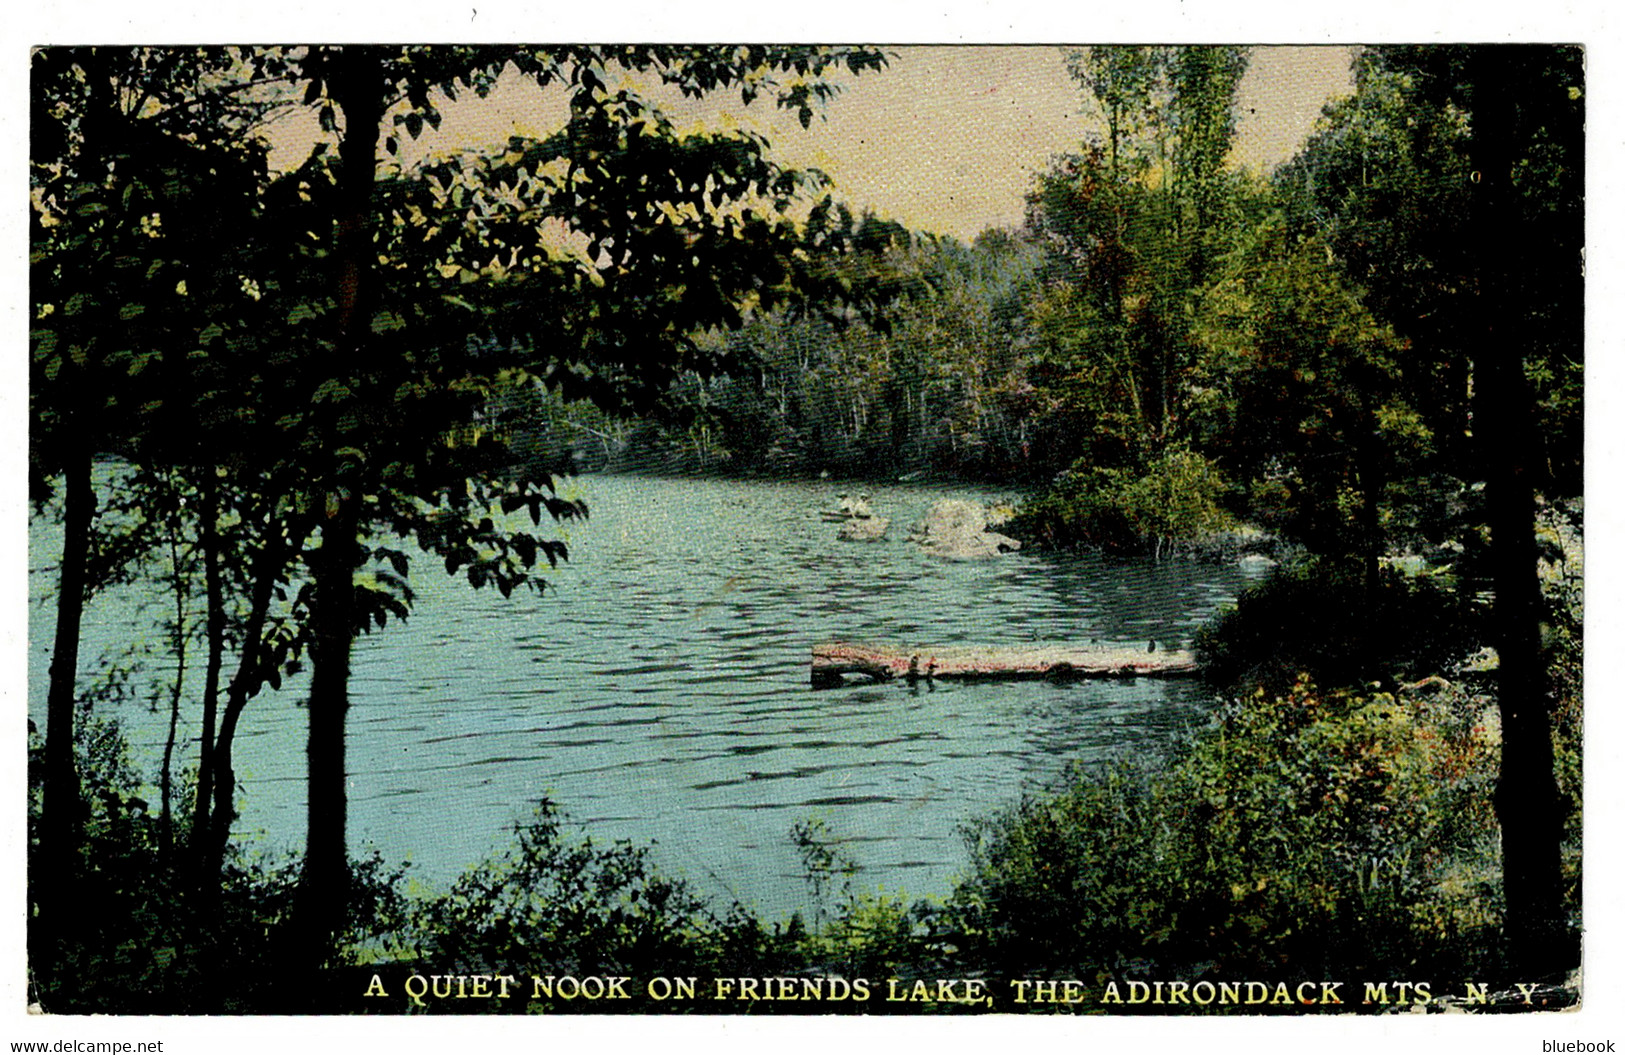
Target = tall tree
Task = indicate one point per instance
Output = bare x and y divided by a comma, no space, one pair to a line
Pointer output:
329,361
135,165
1451,189
1302,395
673,243
1135,221
1526,106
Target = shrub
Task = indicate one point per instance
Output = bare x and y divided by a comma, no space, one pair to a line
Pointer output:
562,903
155,940
1320,618
1305,835
1174,503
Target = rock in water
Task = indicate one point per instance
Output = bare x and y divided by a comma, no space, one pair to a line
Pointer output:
1256,563
957,529
867,529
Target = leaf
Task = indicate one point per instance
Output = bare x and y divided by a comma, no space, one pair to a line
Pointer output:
331,390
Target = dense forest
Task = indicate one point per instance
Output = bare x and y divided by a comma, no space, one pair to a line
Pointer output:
266,393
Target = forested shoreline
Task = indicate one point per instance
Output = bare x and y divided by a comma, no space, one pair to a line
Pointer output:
1372,357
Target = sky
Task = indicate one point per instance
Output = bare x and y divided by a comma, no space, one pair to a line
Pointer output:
946,139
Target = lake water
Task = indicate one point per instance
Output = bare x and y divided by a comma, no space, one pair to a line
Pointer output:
659,691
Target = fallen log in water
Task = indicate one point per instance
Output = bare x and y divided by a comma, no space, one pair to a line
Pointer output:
832,662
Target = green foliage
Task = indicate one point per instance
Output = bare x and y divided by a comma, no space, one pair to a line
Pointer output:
1320,617
1309,835
1174,505
559,903
939,387
1305,834
1133,223
857,934
1300,392
1388,180
563,902
148,948
1558,535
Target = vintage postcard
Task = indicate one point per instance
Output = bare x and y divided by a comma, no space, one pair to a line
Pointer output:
971,532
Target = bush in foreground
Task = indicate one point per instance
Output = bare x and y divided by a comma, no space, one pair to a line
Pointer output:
1309,835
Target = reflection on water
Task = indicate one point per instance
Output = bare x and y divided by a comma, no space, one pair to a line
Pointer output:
659,691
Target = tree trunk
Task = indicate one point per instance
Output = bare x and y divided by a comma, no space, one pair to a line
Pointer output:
252,672
356,85
62,808
1526,799
166,821
324,890
205,877
54,871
